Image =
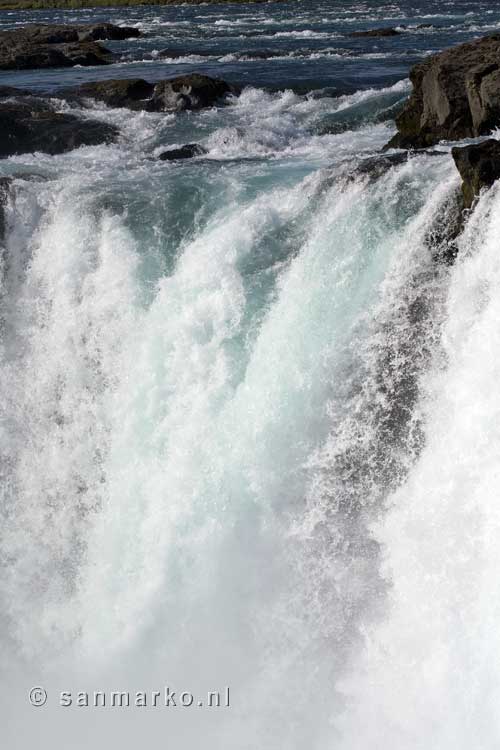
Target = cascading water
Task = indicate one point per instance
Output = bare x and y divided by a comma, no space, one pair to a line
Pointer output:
248,436
428,675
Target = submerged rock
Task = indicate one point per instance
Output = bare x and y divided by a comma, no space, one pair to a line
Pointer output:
479,167
376,166
57,45
376,32
184,152
456,94
192,91
33,125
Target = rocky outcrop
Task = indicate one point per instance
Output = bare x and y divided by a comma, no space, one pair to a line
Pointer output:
53,46
29,125
376,32
133,93
183,152
98,31
9,91
479,167
456,94
192,91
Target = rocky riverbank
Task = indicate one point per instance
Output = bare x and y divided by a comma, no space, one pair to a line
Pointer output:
34,123
455,96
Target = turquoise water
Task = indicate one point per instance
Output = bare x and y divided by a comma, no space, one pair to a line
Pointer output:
249,426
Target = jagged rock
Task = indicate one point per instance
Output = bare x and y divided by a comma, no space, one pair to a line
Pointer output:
57,45
479,167
192,91
375,32
184,152
31,125
456,94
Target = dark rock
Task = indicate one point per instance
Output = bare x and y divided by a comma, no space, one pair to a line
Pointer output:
133,93
376,166
479,167
456,94
8,91
28,127
53,55
5,183
375,32
184,152
98,31
192,91
57,45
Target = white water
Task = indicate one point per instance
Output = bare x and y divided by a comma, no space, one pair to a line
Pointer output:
258,450
430,672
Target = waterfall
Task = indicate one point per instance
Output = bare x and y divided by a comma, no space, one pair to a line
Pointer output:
237,409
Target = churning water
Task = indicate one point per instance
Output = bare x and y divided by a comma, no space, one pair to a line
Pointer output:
249,423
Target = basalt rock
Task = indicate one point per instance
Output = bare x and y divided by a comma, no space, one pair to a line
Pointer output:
376,32
456,94
479,167
184,152
49,46
134,93
32,125
192,91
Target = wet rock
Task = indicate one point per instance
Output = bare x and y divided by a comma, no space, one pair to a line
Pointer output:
376,32
57,45
456,94
9,91
134,93
192,91
184,152
99,31
53,56
28,126
376,166
479,167
5,183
